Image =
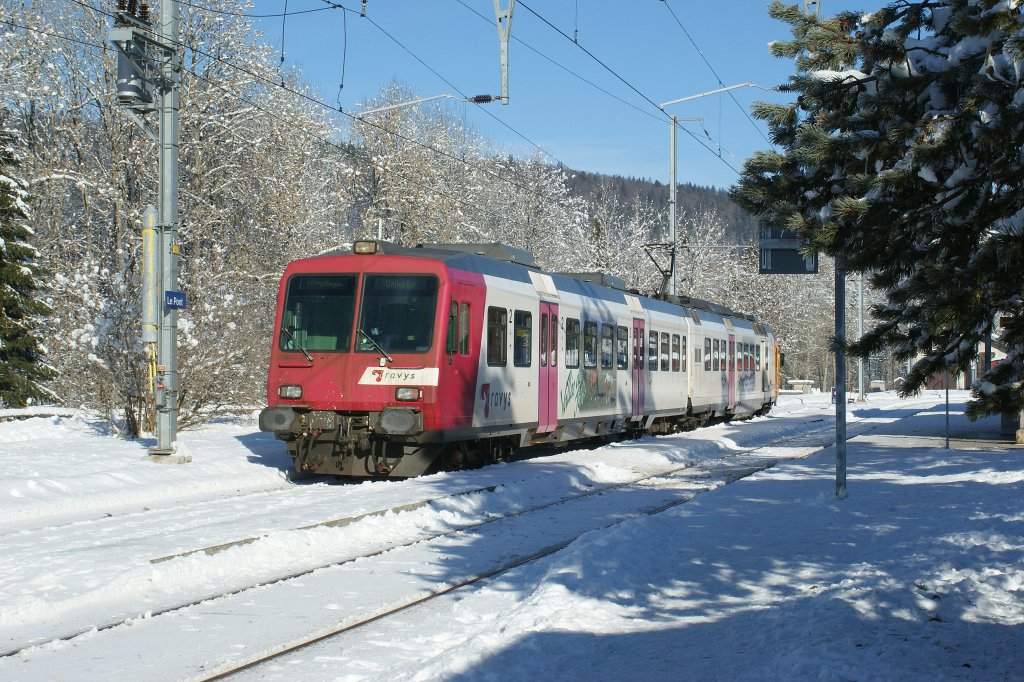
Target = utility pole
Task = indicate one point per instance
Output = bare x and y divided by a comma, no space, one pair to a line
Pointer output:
840,283
672,224
148,61
812,8
861,395
503,20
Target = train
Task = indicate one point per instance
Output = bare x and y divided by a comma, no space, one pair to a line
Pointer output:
398,361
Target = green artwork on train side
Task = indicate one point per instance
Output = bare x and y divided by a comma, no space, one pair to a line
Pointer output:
587,389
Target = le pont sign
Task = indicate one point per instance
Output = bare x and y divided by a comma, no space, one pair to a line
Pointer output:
174,300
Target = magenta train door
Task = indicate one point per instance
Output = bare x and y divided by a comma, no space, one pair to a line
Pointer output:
639,336
547,417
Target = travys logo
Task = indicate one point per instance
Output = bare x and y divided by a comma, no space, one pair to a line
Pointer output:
415,376
501,400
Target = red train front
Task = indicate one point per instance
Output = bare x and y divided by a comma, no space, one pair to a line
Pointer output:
365,343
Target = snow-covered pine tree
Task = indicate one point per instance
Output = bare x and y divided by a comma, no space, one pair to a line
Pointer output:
902,156
23,370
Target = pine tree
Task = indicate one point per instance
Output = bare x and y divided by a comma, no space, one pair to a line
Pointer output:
22,366
902,156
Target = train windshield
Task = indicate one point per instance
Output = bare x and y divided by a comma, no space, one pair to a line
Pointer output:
318,313
398,313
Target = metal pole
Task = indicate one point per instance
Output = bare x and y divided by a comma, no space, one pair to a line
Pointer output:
167,363
860,335
840,284
672,205
947,410
504,17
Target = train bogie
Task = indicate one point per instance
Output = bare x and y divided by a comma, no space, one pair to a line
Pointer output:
396,361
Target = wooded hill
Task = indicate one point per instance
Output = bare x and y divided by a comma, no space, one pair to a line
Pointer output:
740,227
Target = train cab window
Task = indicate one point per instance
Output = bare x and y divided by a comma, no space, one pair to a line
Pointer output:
572,342
497,337
397,312
715,350
318,313
522,333
590,344
664,352
607,346
676,358
652,351
464,329
622,347
707,355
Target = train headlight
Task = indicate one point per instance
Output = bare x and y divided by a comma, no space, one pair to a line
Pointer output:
397,421
289,392
365,247
408,393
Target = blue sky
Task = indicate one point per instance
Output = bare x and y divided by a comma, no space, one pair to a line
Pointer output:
562,99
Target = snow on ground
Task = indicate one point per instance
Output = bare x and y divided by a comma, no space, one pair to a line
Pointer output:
919,574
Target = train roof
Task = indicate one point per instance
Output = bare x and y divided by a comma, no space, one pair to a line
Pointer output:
514,263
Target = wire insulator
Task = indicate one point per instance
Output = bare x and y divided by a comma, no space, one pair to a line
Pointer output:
122,5
144,11
132,7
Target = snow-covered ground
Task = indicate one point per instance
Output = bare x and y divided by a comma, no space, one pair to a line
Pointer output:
918,574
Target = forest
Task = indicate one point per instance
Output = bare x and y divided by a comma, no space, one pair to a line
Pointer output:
267,175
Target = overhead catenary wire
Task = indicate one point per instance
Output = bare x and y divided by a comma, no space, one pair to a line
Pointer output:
256,106
448,82
228,13
714,72
624,81
304,96
344,55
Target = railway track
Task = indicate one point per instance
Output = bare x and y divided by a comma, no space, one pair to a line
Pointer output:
660,490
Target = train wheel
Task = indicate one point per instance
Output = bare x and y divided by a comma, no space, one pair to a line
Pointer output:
455,456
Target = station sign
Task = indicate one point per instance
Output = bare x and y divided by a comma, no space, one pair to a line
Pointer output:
174,300
781,254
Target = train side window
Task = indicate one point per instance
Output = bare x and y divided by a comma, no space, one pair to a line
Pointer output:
554,340
732,355
664,352
543,340
715,350
757,360
464,328
682,355
675,352
707,355
497,337
622,347
607,346
638,348
451,342
521,340
590,344
572,343
652,351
